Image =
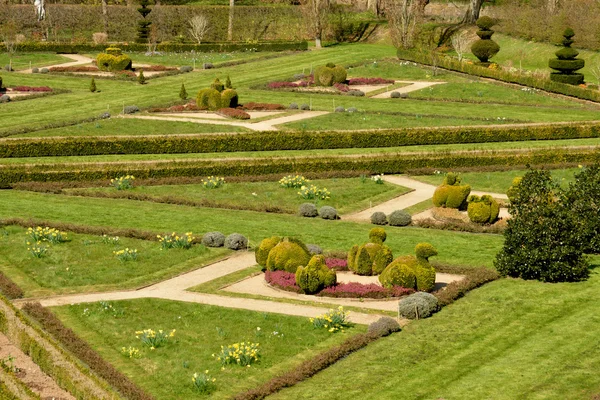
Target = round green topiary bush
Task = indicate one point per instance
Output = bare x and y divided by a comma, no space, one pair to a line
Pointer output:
328,212
399,218
308,210
384,326
315,276
236,241
377,235
288,255
213,239
327,75
418,305
483,210
263,249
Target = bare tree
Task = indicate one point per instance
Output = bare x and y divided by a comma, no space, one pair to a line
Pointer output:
199,26
473,10
461,42
316,14
403,16
230,25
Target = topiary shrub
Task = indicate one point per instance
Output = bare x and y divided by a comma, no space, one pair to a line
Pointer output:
483,210
4,98
340,109
384,326
329,74
141,78
567,62
399,218
144,25
209,99
315,276
411,272
130,109
451,193
395,95
186,68
288,255
93,87
263,249
208,66
183,94
328,212
352,110
213,239
356,93
582,197
305,107
44,70
113,60
418,305
229,98
513,190
236,241
370,258
308,210
35,70
217,85
377,235
379,218
293,106
485,48
314,249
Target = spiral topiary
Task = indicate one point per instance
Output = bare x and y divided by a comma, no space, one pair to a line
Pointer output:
315,276
483,210
370,258
263,249
451,193
567,62
288,255
485,48
411,272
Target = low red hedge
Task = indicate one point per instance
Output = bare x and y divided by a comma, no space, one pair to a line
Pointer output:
233,113
252,106
31,89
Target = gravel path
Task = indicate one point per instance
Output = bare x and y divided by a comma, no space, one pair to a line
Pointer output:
413,87
77,60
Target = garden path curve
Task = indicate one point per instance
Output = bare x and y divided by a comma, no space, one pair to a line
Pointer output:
77,60
421,192
412,87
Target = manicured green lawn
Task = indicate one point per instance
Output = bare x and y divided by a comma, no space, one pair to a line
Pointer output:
347,195
392,68
510,339
201,330
453,247
21,61
496,182
129,126
86,263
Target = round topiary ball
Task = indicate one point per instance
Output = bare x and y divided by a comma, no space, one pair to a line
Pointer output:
340,109
399,218
377,235
384,326
304,107
213,239
288,255
4,98
352,110
35,70
308,210
293,106
328,212
395,95
379,218
236,241
418,305
44,71
186,68
314,249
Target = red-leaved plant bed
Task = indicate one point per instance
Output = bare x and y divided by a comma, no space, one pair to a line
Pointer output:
251,106
337,264
287,281
155,68
191,106
75,68
31,89
342,87
233,113
285,84
370,81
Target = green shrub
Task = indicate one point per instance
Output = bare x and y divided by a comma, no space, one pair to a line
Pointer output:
399,218
567,62
308,210
329,74
485,48
228,83
483,210
451,194
113,63
217,85
229,98
384,326
209,99
370,258
411,272
141,78
513,190
213,239
113,51
236,241
315,276
183,93
92,85
339,74
328,212
288,255
263,249
418,305
377,235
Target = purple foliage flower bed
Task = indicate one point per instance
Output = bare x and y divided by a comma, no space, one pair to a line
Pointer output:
342,87
283,280
370,81
337,264
361,290
284,84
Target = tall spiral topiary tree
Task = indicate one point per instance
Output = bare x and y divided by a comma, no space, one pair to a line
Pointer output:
143,25
567,62
485,48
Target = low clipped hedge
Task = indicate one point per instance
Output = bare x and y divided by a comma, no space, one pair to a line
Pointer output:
453,64
388,163
288,140
224,47
9,289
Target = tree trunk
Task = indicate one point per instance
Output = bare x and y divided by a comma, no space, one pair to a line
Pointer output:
105,15
318,43
230,26
473,10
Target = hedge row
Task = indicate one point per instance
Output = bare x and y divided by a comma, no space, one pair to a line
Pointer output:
51,324
8,288
289,140
12,388
474,278
389,163
222,47
546,84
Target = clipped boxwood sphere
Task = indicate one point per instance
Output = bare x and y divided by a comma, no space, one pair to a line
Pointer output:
236,241
384,326
399,218
287,256
485,49
263,249
485,22
328,212
418,305
213,239
379,218
308,210
377,235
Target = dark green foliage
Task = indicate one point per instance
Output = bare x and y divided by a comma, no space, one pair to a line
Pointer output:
141,78
399,218
93,86
329,74
217,85
384,326
209,99
228,83
183,93
418,305
541,239
143,25
583,199
567,62
485,48
315,276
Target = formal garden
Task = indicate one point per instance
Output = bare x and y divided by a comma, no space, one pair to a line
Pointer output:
288,200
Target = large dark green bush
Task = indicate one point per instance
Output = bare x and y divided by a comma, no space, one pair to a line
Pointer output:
315,276
143,30
567,62
485,48
583,198
541,238
327,75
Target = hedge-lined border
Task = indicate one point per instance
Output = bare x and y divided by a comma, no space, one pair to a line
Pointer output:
80,348
474,278
446,62
388,163
221,47
288,140
52,125
9,289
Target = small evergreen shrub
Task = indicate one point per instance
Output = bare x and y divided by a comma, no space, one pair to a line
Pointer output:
567,62
485,48
207,66
228,83
130,109
314,249
35,70
44,70
293,106
213,239
395,95
451,193
4,98
328,212
329,74
186,68
583,196
513,190
315,276
236,241
183,95
483,210
377,235
308,210
340,109
399,218
229,98
288,255
113,60
379,218
305,107
93,86
352,109
418,305
384,326
356,93
141,78
217,85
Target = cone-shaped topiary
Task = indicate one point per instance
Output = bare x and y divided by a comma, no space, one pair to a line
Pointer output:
141,78
483,210
92,85
329,74
217,85
228,83
370,258
567,62
451,193
315,276
183,93
411,272
263,249
485,48
288,255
